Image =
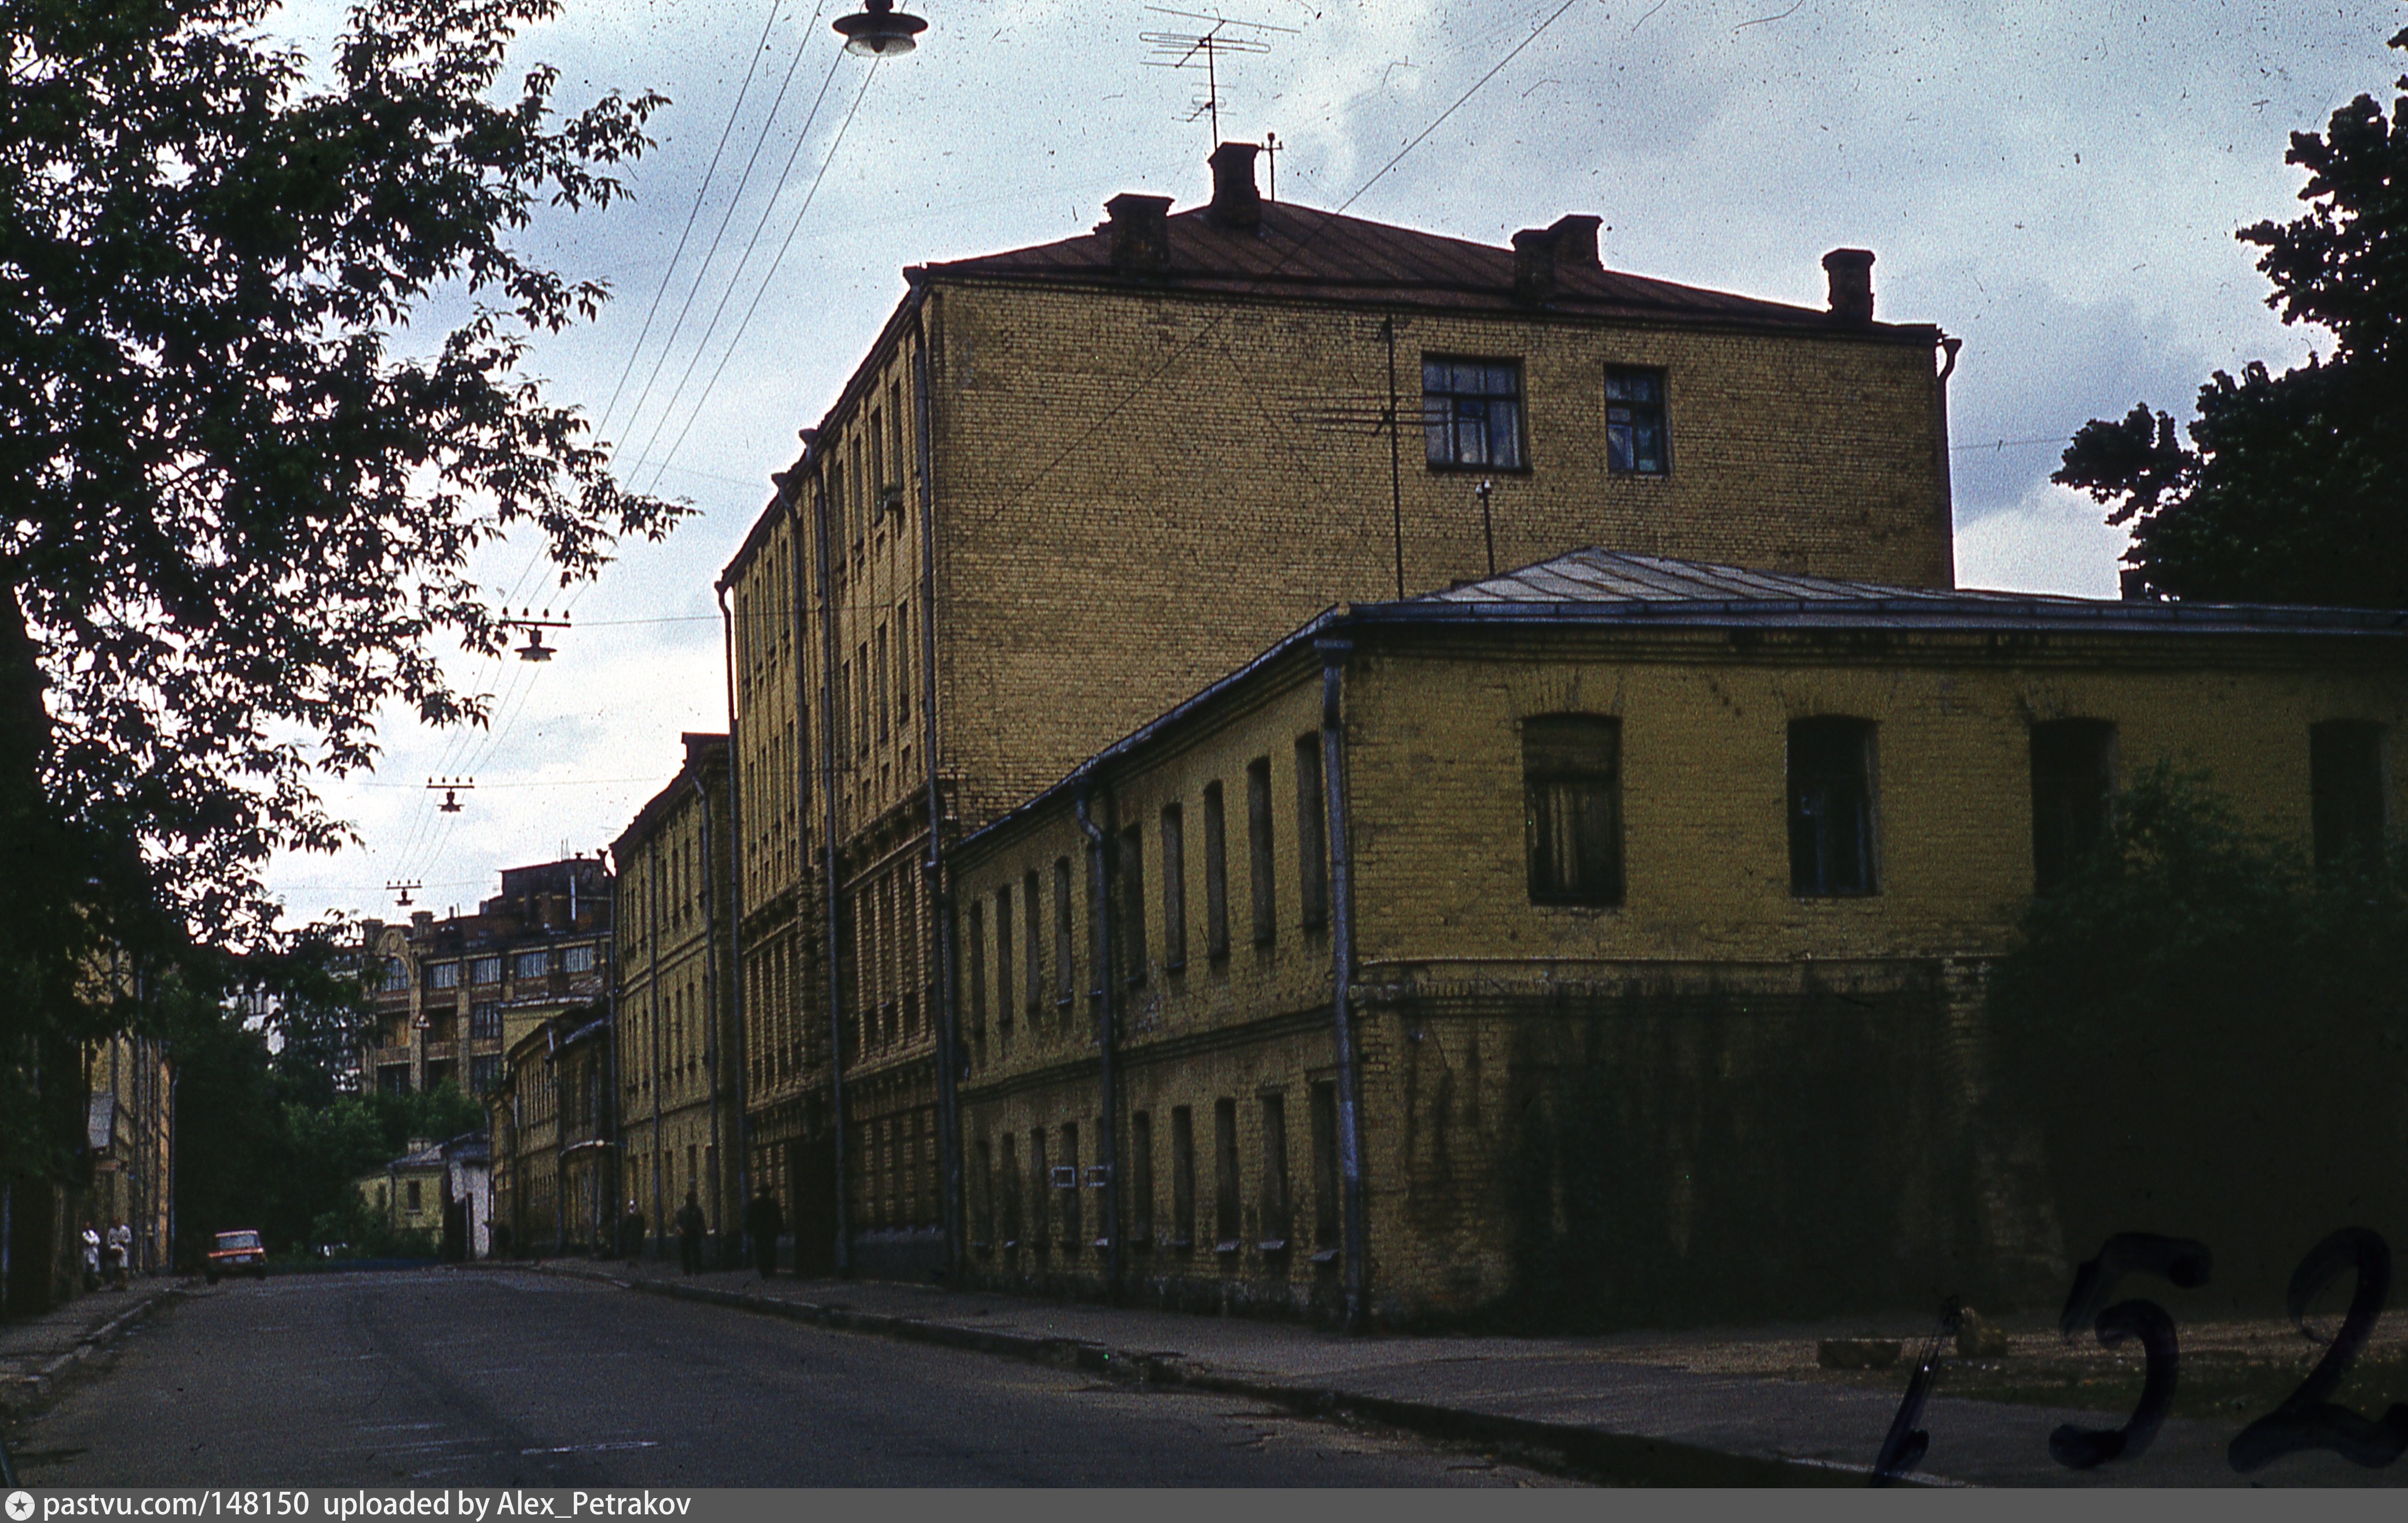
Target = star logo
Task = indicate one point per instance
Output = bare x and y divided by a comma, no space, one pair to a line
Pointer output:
20,1506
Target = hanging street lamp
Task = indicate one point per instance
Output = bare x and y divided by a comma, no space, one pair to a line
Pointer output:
880,31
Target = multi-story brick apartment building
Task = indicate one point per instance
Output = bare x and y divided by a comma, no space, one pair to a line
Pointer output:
676,1046
452,996
556,1176
1070,485
130,1131
1635,956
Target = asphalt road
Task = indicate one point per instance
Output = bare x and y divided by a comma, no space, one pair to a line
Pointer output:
502,1378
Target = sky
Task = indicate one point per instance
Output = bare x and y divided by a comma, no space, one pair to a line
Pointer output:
2058,184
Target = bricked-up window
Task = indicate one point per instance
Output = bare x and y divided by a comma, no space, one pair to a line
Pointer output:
1174,889
1065,951
1312,853
1041,1190
1472,412
1009,1166
1216,875
978,970
1224,1173
1131,897
1258,849
1140,1230
1073,1225
2345,787
1326,1199
1572,806
1830,807
1276,1219
2072,785
1033,919
1637,442
1183,1177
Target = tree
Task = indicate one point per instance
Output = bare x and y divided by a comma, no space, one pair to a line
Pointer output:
240,516
2293,487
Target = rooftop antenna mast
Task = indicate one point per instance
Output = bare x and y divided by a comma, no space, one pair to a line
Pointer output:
1191,48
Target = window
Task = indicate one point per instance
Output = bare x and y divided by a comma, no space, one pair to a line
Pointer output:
1326,1201
410,1190
579,959
1830,807
1258,848
2345,787
1036,924
1183,1177
1063,963
1216,875
1312,857
1224,1173
1011,1169
1634,422
1275,1199
2073,781
1472,412
1132,903
1139,1230
484,1074
1572,806
485,1021
534,964
1174,889
487,970
1003,958
443,975
880,673
978,970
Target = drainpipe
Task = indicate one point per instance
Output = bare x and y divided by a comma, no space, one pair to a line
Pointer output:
941,899
1342,976
717,1028
652,997
1949,346
1107,1145
829,906
734,913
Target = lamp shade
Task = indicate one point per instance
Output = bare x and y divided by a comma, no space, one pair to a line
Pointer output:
880,31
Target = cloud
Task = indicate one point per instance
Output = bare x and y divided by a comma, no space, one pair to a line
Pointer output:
2053,541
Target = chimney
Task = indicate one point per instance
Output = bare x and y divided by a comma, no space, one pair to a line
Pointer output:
1543,255
1852,284
1140,232
421,922
1236,202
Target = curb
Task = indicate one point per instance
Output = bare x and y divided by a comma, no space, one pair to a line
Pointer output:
1624,1458
22,1396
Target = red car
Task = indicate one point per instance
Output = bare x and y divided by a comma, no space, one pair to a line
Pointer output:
237,1253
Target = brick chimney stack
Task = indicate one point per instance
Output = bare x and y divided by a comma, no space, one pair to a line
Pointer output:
1139,229
1543,255
1852,284
1236,202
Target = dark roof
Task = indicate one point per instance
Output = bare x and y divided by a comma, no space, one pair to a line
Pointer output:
1303,253
1610,589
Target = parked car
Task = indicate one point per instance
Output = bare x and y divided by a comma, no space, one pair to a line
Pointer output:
237,1253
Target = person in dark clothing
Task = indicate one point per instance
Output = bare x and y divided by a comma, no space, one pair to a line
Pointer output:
631,1234
689,1230
764,1222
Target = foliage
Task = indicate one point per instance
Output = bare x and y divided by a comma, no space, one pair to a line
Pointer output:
2290,488
2210,1034
240,519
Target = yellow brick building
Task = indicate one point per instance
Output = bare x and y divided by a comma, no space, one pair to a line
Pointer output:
676,1046
1636,957
1070,485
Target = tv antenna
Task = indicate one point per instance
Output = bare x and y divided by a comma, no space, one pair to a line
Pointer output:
1191,48
403,889
526,619
1372,414
450,788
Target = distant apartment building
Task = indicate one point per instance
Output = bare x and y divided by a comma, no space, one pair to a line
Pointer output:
450,995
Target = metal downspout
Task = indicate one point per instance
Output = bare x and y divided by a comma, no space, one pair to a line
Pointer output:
718,1027
831,920
1342,977
735,906
1099,879
941,899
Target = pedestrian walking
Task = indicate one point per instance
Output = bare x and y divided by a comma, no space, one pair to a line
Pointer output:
689,1229
120,1253
764,1222
631,1234
91,1257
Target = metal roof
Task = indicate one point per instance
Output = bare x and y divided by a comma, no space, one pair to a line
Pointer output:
1305,252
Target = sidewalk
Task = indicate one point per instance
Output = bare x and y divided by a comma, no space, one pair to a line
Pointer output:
1689,1408
36,1352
